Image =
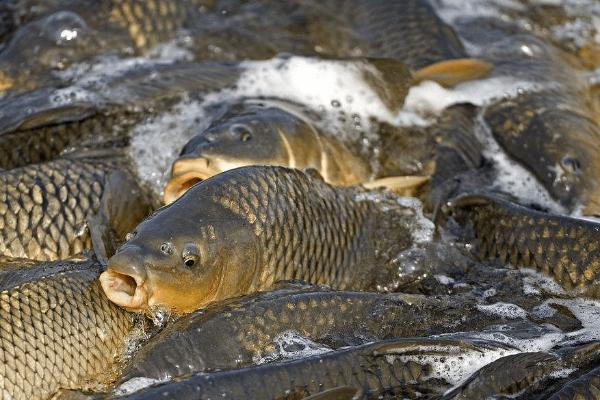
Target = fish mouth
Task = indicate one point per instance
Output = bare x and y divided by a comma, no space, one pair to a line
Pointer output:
125,290
186,172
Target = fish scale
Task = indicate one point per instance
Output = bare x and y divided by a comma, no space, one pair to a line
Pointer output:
285,259
57,330
563,247
45,207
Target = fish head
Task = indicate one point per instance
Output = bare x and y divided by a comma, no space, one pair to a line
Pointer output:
50,43
258,135
183,257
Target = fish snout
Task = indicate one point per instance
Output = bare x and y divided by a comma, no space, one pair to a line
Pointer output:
186,172
124,281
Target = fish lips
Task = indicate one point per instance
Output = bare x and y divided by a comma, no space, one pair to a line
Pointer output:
186,172
125,283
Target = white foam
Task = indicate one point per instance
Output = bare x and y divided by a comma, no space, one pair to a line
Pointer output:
534,282
455,364
443,279
585,310
135,384
291,345
157,142
422,228
512,177
504,310
430,98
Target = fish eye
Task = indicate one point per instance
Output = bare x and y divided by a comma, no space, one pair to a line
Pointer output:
241,131
190,255
166,248
572,164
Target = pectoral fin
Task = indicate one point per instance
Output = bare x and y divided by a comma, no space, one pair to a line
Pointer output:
122,207
402,185
452,72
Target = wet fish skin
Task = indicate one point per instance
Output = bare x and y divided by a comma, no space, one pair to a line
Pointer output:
58,329
234,333
506,376
123,26
44,208
548,134
565,248
265,134
380,28
586,387
46,143
247,228
370,370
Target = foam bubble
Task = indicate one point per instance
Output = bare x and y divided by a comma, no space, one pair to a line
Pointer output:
585,310
291,345
157,142
504,310
134,385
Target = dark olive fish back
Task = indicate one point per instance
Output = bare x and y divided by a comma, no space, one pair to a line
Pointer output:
361,371
58,330
240,331
586,387
43,207
409,31
307,229
566,248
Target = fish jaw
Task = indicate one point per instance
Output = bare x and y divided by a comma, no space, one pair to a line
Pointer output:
126,285
189,170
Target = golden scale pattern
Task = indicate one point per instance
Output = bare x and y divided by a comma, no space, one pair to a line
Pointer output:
150,22
308,230
43,207
558,246
58,332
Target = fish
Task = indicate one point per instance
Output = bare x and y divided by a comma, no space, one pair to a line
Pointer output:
563,247
584,387
50,122
58,329
549,125
279,133
376,370
557,143
247,228
69,32
45,209
506,376
409,30
235,333
255,133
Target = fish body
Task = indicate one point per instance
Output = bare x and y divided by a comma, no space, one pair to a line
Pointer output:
506,376
374,370
45,208
279,133
384,29
67,32
263,134
58,329
556,140
563,247
243,230
235,333
586,387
